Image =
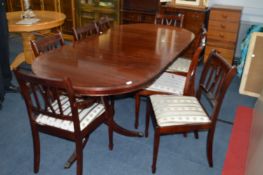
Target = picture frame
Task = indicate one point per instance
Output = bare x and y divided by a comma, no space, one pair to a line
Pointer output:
252,82
188,2
195,3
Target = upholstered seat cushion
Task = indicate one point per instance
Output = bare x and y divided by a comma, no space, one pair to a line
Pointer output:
173,110
170,83
180,65
86,116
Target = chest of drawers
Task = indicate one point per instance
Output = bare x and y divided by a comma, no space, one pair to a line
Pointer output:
223,28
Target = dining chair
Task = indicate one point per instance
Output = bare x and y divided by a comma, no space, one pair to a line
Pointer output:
176,20
170,83
182,64
47,43
53,108
85,31
104,23
181,114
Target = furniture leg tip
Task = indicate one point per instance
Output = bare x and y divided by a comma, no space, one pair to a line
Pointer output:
141,134
67,165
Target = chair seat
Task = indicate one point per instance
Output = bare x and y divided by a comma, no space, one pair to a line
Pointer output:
86,116
170,83
180,65
173,110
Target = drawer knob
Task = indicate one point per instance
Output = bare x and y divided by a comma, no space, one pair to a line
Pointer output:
223,26
224,16
221,35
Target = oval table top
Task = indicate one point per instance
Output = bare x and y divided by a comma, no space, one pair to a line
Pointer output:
48,20
124,59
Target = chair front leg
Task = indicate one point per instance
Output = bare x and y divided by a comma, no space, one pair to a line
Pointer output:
137,109
155,148
196,134
73,156
79,157
36,144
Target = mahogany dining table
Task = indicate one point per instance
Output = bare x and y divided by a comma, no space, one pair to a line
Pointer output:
125,59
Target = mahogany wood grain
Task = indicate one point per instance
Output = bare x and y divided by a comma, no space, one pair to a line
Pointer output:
126,58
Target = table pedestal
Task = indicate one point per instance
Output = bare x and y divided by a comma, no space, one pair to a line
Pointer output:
26,56
47,20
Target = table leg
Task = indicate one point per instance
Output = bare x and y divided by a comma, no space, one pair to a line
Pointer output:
27,56
18,60
117,128
28,52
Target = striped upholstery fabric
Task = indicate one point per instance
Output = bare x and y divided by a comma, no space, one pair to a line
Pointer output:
180,65
86,116
173,110
170,83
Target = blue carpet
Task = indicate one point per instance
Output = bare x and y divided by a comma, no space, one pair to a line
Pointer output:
130,156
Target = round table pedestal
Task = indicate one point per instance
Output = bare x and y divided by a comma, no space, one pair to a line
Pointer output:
26,56
47,21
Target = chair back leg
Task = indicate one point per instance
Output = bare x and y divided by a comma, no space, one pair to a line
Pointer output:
137,109
110,133
155,148
147,118
36,146
209,149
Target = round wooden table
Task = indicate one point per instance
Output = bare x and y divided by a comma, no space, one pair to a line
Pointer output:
124,59
47,21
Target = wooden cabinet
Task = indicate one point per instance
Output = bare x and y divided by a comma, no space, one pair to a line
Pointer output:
194,18
138,11
68,8
90,10
13,5
65,6
223,28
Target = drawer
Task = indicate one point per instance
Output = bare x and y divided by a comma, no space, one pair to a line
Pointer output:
221,36
223,26
226,53
221,44
131,17
194,16
223,15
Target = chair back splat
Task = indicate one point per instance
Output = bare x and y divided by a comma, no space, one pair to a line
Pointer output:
85,31
182,114
175,83
215,79
171,20
104,23
40,96
54,108
182,64
47,43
